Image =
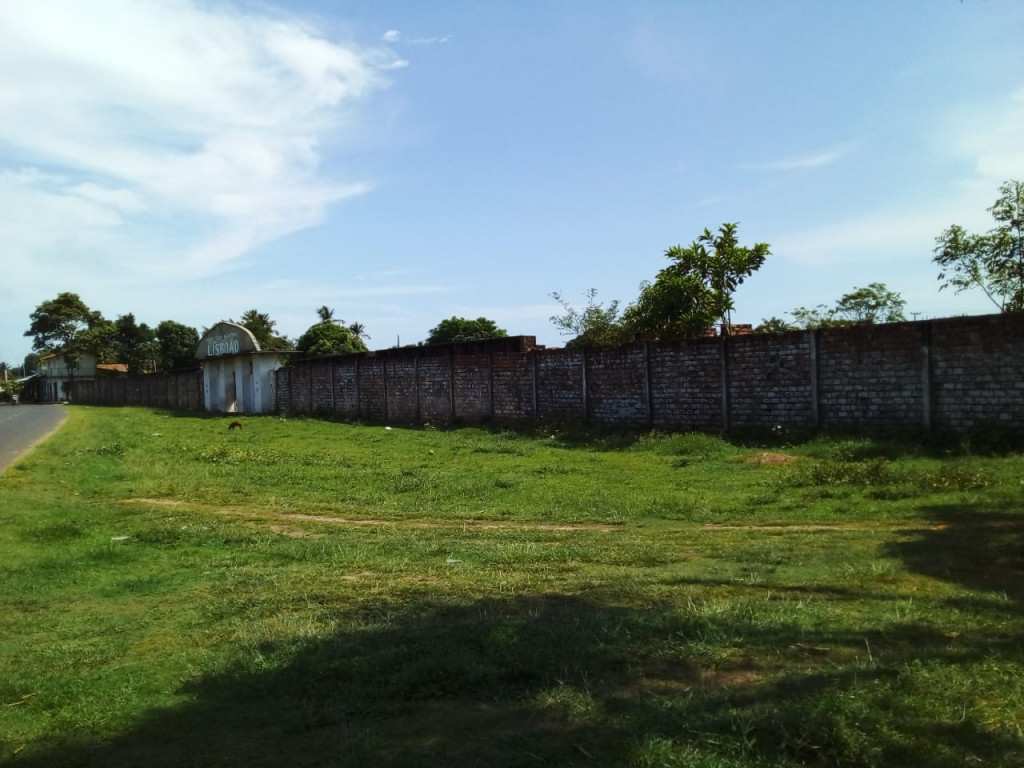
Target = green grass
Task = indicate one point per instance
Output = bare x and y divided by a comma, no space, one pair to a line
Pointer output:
307,593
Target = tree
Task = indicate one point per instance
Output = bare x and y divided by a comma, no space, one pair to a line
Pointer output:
328,338
994,261
259,324
56,324
134,345
813,317
176,345
262,327
460,329
869,305
66,326
696,289
359,331
326,315
594,325
10,388
774,325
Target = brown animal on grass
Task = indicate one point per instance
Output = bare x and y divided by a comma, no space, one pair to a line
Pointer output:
234,424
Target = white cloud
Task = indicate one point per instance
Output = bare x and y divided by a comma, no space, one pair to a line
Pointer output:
118,199
132,120
815,159
429,40
988,135
394,36
871,237
147,147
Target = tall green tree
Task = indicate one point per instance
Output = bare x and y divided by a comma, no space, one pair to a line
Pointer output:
177,345
326,315
461,329
262,327
874,303
993,262
134,345
696,289
328,338
66,326
359,330
596,324
57,323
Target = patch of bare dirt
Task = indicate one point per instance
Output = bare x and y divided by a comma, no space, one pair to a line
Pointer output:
335,520
801,527
295,533
736,677
543,527
813,527
269,514
774,459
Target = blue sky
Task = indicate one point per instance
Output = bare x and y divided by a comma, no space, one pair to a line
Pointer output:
403,162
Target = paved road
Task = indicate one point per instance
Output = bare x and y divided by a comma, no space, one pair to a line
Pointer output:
22,427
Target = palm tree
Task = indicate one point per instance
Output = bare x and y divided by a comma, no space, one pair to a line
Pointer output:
359,331
260,324
326,315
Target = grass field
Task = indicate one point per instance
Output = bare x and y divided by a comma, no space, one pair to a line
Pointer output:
306,593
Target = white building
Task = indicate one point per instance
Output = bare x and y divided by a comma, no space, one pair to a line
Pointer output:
238,377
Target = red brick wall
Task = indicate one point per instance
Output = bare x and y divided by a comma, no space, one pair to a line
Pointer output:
872,377
181,390
956,373
769,380
560,379
686,384
617,385
977,370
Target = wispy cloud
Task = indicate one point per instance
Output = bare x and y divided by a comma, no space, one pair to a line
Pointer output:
988,134
815,159
985,137
395,36
870,238
140,122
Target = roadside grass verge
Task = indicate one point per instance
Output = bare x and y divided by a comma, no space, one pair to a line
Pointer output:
311,593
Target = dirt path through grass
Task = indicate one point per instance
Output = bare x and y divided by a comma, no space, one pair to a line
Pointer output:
269,515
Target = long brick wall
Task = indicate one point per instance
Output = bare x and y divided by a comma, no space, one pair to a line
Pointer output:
182,391
950,374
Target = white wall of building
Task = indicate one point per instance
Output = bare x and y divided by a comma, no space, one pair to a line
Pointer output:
240,383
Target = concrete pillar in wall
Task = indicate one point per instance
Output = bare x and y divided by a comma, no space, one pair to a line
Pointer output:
812,349
536,400
926,377
725,382
648,384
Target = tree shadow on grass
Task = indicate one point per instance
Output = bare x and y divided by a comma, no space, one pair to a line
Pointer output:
978,546
557,680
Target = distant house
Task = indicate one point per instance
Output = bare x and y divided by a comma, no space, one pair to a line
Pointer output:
55,377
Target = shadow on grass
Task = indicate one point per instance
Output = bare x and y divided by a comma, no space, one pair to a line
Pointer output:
558,680
976,546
